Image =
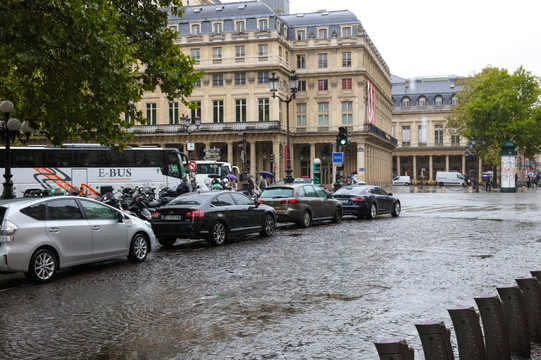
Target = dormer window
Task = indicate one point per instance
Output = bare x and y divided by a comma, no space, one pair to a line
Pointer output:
346,32
263,24
195,29
301,35
438,101
217,28
322,33
422,101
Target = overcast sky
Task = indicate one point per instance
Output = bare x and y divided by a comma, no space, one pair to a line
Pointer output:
459,37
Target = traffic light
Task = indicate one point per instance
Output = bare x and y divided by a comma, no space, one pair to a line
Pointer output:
342,137
272,158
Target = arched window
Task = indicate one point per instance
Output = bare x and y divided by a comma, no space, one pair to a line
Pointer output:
438,101
405,102
422,101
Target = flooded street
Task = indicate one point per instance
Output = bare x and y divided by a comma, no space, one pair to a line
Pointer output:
326,292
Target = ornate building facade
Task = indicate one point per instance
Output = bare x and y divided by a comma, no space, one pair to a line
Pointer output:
343,82
425,145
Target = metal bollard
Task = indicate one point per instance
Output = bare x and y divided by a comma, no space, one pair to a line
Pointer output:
531,289
517,323
468,332
394,349
495,327
436,340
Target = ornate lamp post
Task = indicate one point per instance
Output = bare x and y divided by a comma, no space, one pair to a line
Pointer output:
10,130
472,149
294,86
186,124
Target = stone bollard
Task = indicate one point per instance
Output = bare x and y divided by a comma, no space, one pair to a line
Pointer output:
495,327
523,189
394,349
468,333
531,289
436,340
470,189
515,313
443,189
415,190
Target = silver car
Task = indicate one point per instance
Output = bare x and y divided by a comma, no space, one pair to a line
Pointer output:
38,236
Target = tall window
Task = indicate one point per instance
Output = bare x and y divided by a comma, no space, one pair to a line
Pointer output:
346,59
173,112
346,31
301,34
422,135
151,114
455,139
301,114
263,24
438,101
322,61
240,52
217,28
322,34
347,112
301,61
302,85
454,101
264,109
196,54
217,55
406,138
196,29
346,84
405,102
218,111
263,52
196,113
323,113
240,26
263,77
240,78
217,79
323,85
438,134
240,110
197,83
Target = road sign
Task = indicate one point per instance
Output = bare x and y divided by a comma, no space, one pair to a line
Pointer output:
337,157
192,165
190,146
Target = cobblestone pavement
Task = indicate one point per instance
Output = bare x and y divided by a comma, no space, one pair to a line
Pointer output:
327,292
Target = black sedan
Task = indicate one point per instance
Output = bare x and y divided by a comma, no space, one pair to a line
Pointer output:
212,215
367,201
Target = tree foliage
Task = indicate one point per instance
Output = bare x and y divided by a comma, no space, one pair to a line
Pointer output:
72,67
495,106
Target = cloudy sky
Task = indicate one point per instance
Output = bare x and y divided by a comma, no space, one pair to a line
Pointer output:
459,37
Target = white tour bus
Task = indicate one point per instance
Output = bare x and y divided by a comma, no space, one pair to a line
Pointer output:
87,168
208,167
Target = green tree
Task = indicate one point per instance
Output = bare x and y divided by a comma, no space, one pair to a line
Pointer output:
72,67
495,105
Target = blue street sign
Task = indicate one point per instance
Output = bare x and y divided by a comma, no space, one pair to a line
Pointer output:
337,157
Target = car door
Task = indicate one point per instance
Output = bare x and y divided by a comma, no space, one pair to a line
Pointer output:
384,200
250,218
69,230
227,210
328,203
109,234
314,201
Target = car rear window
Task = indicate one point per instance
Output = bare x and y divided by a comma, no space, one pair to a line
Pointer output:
277,192
189,199
36,211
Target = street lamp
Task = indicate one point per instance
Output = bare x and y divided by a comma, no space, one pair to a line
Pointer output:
10,130
472,149
186,124
294,86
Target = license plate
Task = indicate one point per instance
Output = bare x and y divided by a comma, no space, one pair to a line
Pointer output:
172,217
345,201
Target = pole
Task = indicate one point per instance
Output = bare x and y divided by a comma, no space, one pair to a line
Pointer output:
7,192
289,178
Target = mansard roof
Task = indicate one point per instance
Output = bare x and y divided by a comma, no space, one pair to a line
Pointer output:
424,85
226,11
320,18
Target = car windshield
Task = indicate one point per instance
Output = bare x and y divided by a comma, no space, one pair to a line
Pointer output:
277,192
348,190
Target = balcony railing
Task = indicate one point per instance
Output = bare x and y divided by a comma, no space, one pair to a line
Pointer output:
214,127
375,130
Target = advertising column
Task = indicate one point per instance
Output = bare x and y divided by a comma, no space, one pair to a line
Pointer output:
508,155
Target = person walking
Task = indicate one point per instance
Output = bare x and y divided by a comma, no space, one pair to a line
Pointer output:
263,183
183,187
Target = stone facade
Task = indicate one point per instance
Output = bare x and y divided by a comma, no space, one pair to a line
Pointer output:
344,81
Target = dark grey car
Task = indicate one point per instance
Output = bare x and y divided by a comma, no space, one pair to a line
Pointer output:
302,204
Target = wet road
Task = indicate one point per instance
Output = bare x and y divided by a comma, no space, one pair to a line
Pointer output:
327,292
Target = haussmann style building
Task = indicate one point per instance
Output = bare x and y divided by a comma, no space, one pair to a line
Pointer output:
343,82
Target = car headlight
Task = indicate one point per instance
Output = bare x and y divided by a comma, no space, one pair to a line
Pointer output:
7,231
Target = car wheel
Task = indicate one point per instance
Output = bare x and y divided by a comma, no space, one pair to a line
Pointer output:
138,248
268,225
373,211
306,219
337,218
167,242
217,234
42,266
406,184
441,184
397,209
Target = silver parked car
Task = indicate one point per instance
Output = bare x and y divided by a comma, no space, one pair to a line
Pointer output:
302,204
38,236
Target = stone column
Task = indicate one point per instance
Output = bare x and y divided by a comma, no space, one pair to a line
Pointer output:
414,167
230,152
312,157
463,164
430,168
253,169
398,172
276,152
446,162
361,174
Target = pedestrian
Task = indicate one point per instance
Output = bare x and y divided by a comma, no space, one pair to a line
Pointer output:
528,181
183,187
263,183
535,179
488,186
251,185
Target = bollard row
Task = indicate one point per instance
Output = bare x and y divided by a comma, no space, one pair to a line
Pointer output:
511,321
